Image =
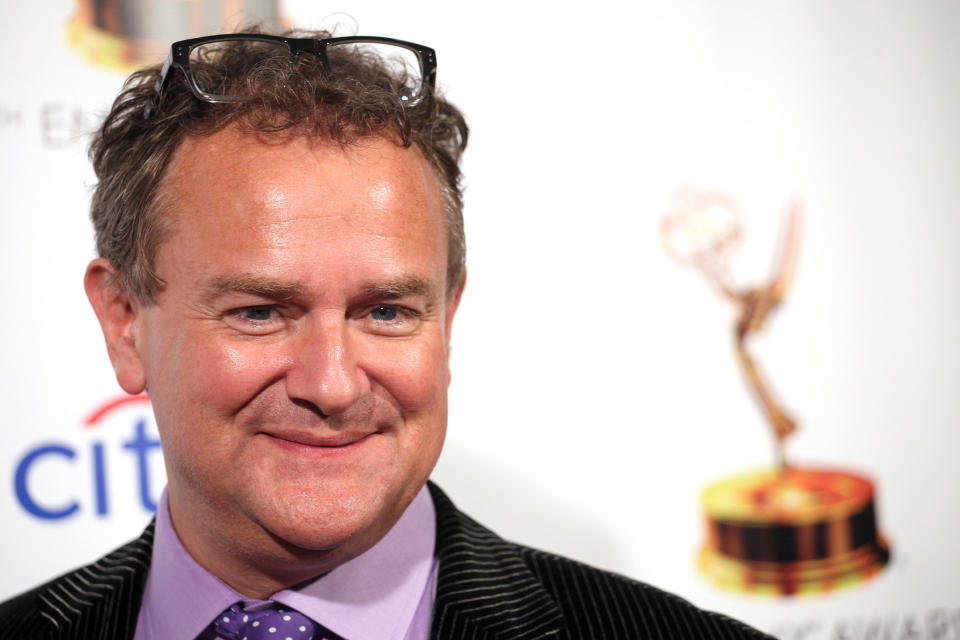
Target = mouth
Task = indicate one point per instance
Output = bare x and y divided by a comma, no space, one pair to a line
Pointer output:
306,442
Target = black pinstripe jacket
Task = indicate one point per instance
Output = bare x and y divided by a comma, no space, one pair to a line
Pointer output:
486,588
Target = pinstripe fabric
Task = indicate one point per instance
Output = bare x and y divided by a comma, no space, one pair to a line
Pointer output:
97,602
487,588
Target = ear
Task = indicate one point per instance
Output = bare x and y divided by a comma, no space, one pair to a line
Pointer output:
119,313
451,305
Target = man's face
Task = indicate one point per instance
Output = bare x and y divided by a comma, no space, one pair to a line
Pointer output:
297,355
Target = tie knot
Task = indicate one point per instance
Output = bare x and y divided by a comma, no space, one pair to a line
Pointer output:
269,621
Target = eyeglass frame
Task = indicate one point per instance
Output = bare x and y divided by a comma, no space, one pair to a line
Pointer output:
179,57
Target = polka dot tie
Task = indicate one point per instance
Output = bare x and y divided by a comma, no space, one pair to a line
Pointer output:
273,622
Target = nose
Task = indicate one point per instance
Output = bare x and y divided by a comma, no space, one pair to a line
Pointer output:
325,371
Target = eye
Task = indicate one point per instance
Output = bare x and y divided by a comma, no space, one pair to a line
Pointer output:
391,319
257,314
259,319
384,313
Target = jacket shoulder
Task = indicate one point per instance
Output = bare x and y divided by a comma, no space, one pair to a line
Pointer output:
20,616
488,587
602,604
99,600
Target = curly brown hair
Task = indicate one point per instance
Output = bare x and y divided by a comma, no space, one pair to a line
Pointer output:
132,148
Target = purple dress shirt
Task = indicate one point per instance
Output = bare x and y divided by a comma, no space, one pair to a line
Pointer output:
386,593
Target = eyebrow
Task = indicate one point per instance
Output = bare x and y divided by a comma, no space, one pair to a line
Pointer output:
398,288
249,285
409,285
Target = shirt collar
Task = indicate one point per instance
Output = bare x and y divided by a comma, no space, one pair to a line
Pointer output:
372,597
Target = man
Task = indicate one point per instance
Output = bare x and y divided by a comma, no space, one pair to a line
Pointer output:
281,259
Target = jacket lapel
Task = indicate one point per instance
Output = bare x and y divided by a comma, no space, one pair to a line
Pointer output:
101,601
484,587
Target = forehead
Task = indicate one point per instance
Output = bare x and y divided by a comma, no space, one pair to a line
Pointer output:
260,168
233,195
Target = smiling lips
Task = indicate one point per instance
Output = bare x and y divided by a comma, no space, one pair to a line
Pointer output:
315,441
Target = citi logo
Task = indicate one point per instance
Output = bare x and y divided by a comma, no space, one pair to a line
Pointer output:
92,472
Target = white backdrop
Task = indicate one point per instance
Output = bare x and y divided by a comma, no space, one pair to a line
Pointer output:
595,391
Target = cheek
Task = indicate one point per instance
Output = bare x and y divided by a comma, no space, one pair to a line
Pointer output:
214,377
207,383
232,374
415,375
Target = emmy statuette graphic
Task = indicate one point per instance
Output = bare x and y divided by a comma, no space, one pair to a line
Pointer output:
788,529
126,34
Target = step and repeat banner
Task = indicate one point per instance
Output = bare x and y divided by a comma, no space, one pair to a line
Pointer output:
710,334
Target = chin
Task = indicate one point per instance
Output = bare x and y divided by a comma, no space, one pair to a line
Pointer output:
346,522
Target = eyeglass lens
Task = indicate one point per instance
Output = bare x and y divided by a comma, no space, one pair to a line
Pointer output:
240,58
401,63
